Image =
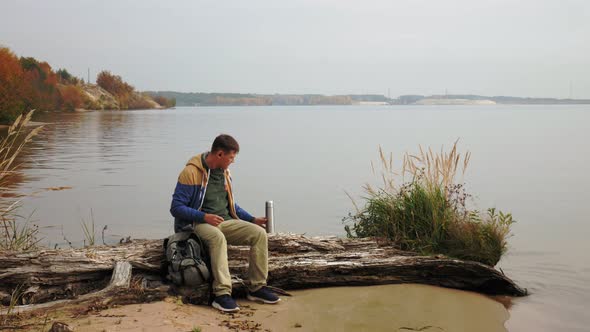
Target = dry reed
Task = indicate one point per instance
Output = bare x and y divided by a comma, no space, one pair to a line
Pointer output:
15,233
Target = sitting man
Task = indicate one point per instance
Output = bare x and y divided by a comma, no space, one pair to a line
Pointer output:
203,202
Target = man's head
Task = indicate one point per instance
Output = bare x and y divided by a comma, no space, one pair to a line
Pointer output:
223,151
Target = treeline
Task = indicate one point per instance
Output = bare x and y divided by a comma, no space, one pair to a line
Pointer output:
243,99
27,83
310,100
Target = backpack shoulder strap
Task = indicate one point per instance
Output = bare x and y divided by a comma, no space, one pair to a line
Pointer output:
177,237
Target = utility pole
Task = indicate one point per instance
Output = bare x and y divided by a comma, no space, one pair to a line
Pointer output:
88,80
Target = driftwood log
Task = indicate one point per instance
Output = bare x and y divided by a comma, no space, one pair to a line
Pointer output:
295,262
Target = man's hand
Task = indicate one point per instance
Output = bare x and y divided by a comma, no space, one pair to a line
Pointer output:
260,221
213,219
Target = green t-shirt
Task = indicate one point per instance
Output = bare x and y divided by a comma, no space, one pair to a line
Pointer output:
216,200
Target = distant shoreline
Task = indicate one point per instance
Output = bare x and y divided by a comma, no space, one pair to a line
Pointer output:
483,105
241,99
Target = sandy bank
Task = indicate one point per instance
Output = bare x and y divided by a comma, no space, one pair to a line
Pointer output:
406,307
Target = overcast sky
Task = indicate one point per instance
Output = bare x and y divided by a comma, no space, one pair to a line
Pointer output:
495,47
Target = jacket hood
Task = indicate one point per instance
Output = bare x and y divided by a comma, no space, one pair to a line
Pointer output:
197,161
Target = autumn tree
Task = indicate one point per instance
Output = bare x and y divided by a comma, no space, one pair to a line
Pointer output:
72,97
40,85
11,86
116,86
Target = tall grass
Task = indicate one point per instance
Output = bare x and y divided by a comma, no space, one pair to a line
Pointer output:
88,229
16,232
427,212
9,314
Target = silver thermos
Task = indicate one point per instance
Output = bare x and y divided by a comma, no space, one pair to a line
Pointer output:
270,224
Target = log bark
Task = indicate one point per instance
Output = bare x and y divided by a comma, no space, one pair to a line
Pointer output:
295,262
120,280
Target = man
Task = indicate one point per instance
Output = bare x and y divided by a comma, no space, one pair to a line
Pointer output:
203,202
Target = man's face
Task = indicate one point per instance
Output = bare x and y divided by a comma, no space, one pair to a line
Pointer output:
225,159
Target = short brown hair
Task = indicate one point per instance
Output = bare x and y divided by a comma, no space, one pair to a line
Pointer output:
225,143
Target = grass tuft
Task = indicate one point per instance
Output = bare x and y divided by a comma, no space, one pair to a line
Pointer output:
15,299
428,212
89,232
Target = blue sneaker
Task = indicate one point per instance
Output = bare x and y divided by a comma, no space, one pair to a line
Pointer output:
264,295
225,303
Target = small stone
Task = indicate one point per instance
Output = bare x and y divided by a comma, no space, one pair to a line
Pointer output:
60,327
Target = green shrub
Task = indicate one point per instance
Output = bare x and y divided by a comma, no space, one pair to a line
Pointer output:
428,213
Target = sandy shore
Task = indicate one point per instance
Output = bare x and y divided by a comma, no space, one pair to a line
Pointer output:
375,308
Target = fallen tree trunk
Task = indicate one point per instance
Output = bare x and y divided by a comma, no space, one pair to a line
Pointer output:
295,262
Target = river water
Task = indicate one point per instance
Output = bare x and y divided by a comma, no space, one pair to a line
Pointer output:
119,169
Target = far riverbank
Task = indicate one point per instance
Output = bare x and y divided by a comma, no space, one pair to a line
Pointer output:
254,99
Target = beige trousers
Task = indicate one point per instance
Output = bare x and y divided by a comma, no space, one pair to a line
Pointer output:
235,232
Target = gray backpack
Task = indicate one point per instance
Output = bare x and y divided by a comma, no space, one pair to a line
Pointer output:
186,258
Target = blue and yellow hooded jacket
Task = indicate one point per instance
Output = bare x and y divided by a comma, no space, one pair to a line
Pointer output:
189,195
